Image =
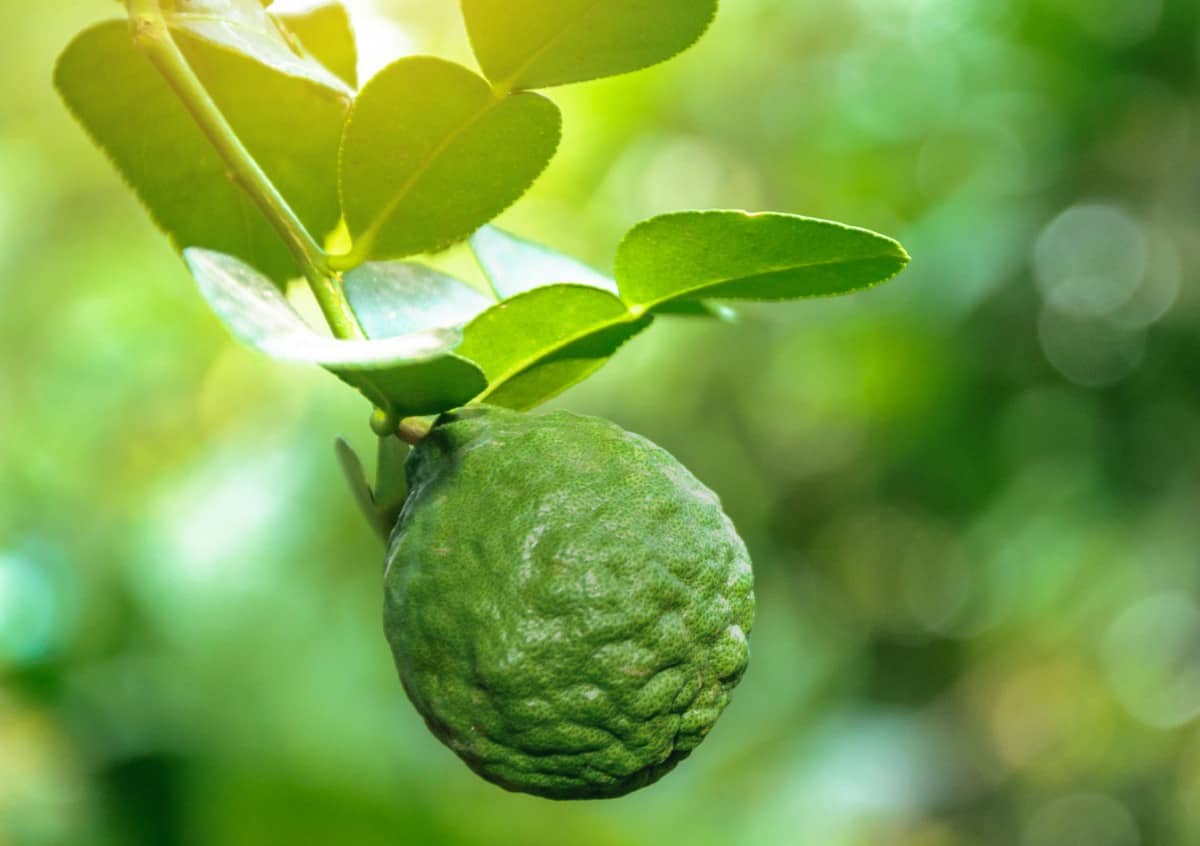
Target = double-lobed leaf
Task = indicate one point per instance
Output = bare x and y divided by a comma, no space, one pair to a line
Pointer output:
430,153
133,115
413,374
733,255
522,44
552,322
289,121
531,345
543,332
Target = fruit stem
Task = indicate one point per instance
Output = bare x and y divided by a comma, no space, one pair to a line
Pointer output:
413,430
152,36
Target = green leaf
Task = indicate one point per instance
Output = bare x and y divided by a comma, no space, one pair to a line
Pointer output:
356,478
288,114
410,375
541,342
381,507
515,265
740,256
326,34
131,113
399,298
697,308
430,154
289,124
542,43
245,28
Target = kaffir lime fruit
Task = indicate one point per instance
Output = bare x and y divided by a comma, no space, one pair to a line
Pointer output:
567,605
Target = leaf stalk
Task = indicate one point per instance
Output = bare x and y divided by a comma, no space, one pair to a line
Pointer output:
152,36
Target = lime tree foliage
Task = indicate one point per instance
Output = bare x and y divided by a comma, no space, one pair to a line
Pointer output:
568,607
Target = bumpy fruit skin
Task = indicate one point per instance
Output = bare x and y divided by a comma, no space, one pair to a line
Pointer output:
567,605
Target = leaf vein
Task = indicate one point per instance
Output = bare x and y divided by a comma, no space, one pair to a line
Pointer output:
550,42
363,247
715,283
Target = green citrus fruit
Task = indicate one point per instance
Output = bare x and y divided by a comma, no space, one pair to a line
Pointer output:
567,605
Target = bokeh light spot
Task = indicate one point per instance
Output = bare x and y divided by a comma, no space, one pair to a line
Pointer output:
1094,819
1089,260
1150,654
30,613
1092,353
1116,23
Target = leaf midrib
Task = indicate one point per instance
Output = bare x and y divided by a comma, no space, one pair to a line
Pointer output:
526,364
550,42
902,258
363,245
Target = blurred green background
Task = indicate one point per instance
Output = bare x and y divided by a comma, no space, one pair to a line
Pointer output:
972,495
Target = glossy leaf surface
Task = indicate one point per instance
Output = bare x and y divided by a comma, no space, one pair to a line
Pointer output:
399,298
515,265
740,256
541,342
132,114
409,375
291,125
